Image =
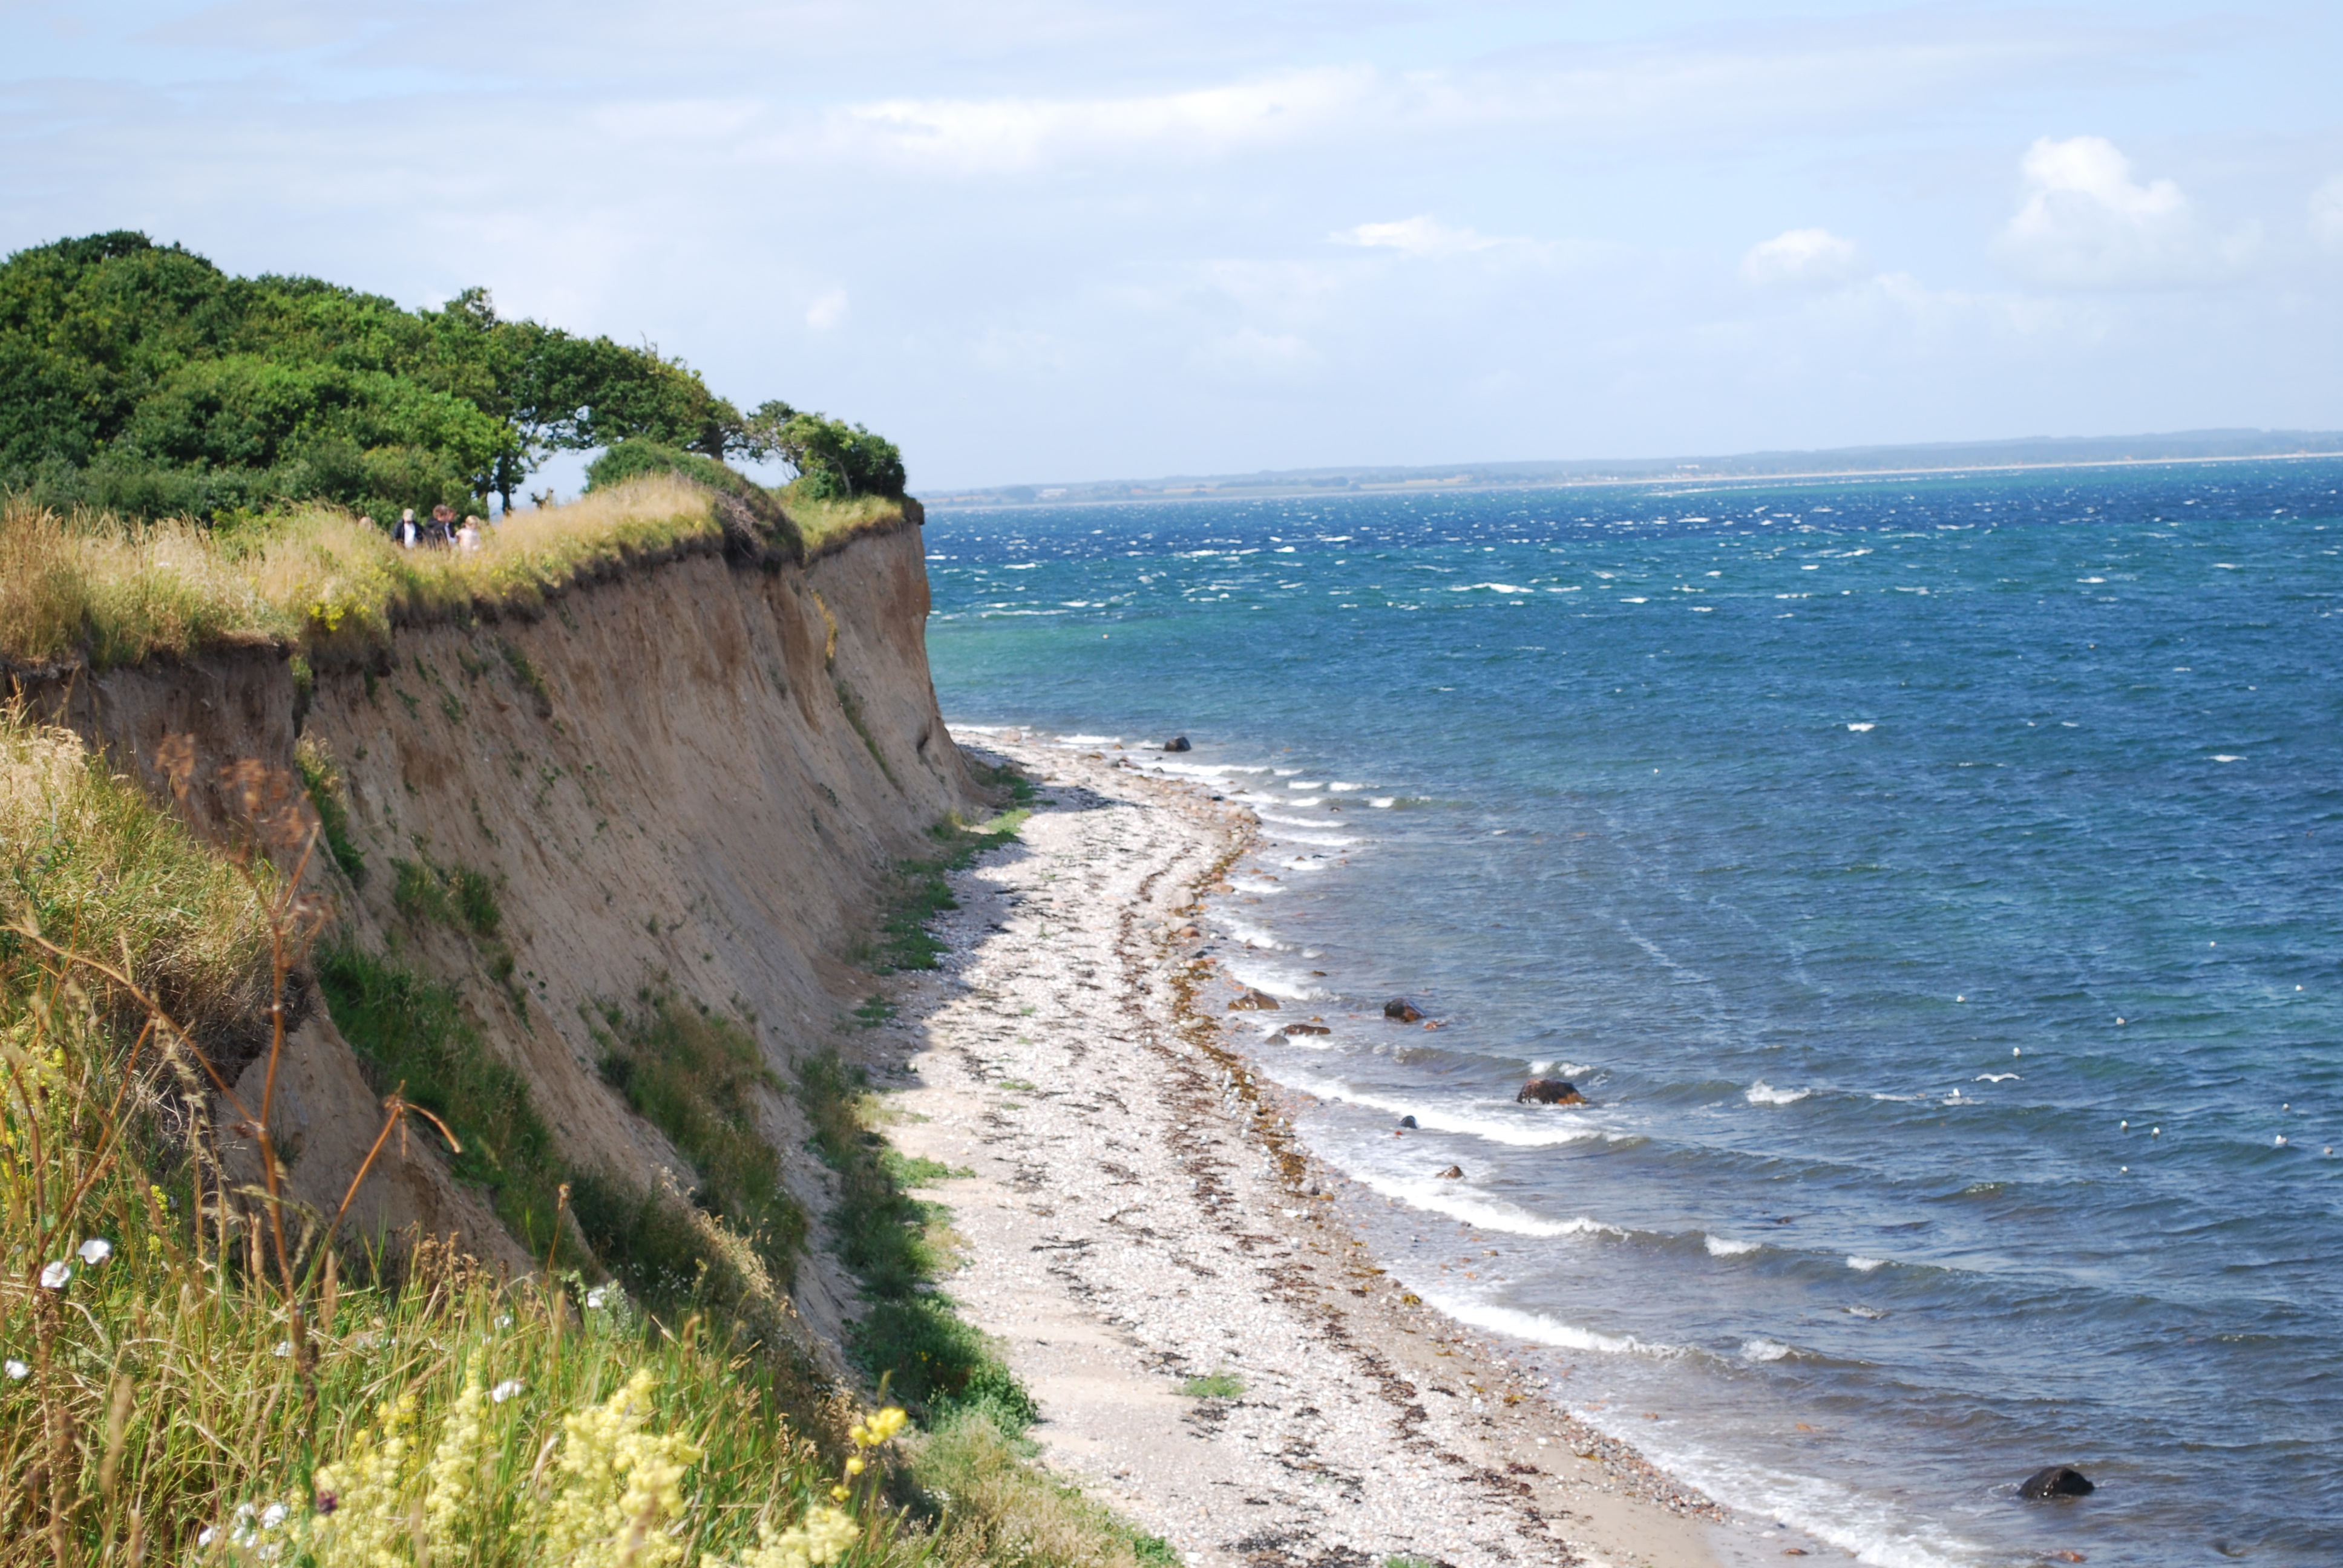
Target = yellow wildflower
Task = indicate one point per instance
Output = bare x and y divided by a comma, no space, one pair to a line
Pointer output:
454,1473
363,1521
820,1538
617,1479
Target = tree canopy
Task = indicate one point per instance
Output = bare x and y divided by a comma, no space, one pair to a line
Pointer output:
141,379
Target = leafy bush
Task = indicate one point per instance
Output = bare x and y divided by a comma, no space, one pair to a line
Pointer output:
140,378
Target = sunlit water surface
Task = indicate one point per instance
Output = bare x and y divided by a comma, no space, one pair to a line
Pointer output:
1934,884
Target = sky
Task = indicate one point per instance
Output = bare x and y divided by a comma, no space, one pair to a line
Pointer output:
1040,240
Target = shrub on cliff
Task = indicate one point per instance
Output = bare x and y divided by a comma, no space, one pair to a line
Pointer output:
141,379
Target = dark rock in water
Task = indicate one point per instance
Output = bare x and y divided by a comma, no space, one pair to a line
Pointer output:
1548,1091
1407,1121
2058,1480
1177,743
1399,1009
1293,1028
1254,1001
1453,1173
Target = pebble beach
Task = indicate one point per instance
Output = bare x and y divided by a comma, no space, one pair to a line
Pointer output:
1214,1351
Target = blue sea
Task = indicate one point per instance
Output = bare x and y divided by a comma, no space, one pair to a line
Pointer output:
1935,884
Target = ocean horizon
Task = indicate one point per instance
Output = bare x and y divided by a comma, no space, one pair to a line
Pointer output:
1928,881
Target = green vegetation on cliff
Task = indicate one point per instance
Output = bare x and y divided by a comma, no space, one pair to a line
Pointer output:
141,379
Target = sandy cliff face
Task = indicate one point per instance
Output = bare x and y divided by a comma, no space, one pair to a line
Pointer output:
694,776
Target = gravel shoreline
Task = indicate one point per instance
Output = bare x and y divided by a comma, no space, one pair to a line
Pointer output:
1139,1217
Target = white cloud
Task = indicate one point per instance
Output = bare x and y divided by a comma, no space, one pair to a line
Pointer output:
1417,237
1804,257
827,311
2086,223
2326,214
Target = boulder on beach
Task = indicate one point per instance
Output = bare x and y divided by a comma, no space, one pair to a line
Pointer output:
1254,1001
1453,1173
1177,743
1548,1091
1399,1009
1293,1028
2057,1480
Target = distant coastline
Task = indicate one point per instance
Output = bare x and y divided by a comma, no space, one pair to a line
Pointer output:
1834,463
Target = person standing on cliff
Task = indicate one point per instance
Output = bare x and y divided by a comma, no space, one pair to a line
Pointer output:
406,528
442,527
467,538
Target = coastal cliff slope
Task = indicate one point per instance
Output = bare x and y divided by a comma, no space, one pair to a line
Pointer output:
685,779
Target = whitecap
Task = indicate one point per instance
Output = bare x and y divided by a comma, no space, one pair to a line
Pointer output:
1088,739
1247,932
1306,784
1865,1265
1725,1247
1863,728
1635,601
1762,1093
1323,840
1872,1313
1438,1197
1497,587
1340,787
1382,802
2226,757
1763,1350
1280,986
1518,1129
1540,1329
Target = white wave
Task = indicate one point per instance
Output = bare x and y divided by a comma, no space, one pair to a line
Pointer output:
1725,1247
1523,1130
1291,821
1306,784
1088,739
1567,1069
1276,982
1761,1350
1305,863
1323,840
1760,1093
1635,601
1438,1197
1540,1329
1247,932
2224,756
1498,588
1258,887
1382,802
1865,1265
1863,728
1572,588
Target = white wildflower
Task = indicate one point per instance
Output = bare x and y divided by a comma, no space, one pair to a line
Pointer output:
597,1296
505,1390
284,1348
17,1371
95,1250
272,1516
54,1277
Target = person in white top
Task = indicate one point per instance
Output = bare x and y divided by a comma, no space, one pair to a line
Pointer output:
467,538
406,529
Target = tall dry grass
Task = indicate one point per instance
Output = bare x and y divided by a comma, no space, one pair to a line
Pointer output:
116,593
193,1370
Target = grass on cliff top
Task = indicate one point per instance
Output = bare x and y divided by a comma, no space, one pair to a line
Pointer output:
119,593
